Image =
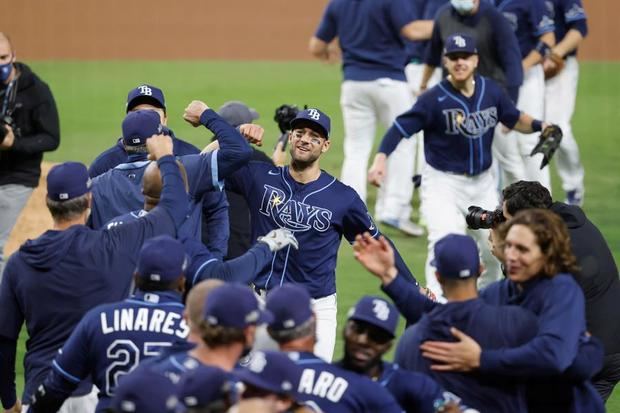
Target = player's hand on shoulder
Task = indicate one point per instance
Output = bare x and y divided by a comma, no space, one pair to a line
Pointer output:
253,133
376,173
278,239
159,146
193,111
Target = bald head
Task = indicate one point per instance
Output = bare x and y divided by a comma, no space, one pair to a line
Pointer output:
196,300
152,184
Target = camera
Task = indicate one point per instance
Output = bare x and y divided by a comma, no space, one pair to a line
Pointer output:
4,121
284,115
478,218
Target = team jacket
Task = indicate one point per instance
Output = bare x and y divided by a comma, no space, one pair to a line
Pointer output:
458,131
336,390
38,129
492,327
52,281
319,213
110,341
118,191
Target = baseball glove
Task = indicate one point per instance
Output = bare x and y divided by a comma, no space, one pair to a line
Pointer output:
553,65
548,142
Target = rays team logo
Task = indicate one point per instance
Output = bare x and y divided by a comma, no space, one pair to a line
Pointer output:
471,125
145,90
291,214
460,41
314,114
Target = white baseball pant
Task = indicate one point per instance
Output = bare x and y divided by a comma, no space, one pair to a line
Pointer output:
560,95
445,198
512,149
80,404
363,104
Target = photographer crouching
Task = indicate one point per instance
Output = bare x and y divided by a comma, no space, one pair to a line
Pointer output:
28,127
597,276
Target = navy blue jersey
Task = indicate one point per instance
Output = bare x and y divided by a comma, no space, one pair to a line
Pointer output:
337,390
415,392
493,327
117,155
172,366
458,131
529,19
567,14
52,281
319,213
498,49
369,36
427,10
112,339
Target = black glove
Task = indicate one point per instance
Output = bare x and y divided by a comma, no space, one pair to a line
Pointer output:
548,142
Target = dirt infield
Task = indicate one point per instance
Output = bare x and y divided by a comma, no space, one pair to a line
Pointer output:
35,218
199,29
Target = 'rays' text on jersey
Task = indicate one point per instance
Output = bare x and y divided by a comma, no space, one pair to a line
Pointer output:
291,214
471,125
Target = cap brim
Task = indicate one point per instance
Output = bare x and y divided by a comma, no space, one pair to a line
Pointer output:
372,321
254,113
138,100
320,127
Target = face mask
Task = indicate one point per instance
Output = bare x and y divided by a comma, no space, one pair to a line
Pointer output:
5,72
463,6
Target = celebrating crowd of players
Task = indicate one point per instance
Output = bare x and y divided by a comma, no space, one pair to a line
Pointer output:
132,303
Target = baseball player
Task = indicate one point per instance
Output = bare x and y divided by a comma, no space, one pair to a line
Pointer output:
533,27
118,191
316,207
368,335
142,97
457,266
458,118
332,388
374,90
52,281
112,339
207,389
561,91
144,391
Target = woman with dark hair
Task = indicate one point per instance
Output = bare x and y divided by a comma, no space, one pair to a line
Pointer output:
558,363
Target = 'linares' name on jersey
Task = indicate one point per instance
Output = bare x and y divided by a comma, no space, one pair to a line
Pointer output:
291,214
471,125
144,319
326,385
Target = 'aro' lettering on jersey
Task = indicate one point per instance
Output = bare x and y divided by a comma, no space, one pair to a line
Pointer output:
291,214
144,319
472,125
326,385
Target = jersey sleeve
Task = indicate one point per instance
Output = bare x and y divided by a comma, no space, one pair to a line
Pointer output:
507,111
541,18
560,324
358,220
328,27
72,362
403,12
508,51
405,126
408,299
434,47
11,316
241,181
202,173
574,16
215,228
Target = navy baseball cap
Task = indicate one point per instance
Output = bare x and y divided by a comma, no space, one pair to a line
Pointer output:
290,305
233,305
145,94
67,181
314,116
456,256
272,371
162,259
237,113
140,125
376,311
206,385
143,391
460,43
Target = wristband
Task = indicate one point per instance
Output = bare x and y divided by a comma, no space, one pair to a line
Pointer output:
542,48
536,125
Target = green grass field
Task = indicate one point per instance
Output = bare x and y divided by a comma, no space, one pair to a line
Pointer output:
91,100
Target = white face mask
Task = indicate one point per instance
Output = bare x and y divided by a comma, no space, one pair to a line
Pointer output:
463,6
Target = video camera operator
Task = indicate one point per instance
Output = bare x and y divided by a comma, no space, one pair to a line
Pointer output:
597,276
29,126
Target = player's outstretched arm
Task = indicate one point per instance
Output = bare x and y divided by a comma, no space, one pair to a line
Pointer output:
234,150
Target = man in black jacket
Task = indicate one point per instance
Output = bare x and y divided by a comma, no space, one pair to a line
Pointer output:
28,127
598,276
